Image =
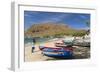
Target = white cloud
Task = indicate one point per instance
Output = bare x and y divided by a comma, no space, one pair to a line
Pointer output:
54,18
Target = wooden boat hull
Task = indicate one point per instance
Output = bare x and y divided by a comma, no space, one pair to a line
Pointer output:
62,45
82,43
68,43
58,52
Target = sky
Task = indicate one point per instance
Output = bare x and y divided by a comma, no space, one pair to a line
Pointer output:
73,20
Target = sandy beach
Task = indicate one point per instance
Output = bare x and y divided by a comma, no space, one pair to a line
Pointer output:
37,56
78,52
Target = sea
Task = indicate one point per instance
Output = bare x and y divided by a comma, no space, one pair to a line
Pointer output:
29,41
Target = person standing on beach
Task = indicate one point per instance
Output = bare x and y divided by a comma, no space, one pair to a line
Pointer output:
33,46
34,41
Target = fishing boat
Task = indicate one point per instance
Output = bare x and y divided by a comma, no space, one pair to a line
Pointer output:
57,52
61,45
83,43
68,42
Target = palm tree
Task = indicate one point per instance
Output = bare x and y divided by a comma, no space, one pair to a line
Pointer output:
88,24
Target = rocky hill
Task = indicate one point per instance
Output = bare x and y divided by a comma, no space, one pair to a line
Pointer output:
54,30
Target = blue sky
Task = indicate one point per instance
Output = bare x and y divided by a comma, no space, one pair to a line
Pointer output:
74,20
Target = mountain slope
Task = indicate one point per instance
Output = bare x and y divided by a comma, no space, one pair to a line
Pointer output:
51,29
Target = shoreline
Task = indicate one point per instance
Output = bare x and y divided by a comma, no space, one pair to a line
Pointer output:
79,52
37,56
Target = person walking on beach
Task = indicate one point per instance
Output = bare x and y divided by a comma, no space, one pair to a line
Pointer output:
33,46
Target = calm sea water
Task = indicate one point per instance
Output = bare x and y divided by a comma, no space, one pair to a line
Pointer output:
38,40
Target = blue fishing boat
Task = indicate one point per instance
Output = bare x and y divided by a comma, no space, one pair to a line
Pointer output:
57,52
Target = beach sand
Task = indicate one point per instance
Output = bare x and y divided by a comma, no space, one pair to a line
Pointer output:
79,52
37,55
